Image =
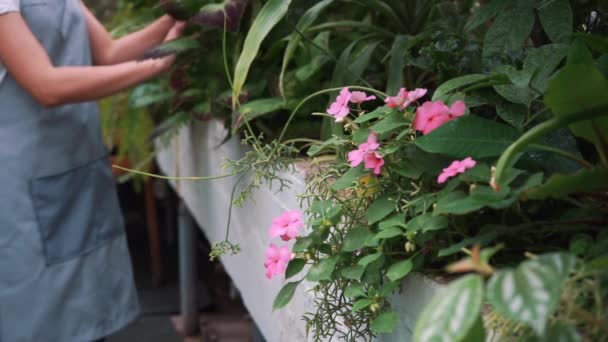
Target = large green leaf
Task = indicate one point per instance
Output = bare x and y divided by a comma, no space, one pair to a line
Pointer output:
427,222
510,28
469,136
559,185
380,208
401,45
385,323
294,267
557,19
579,87
285,295
272,12
355,239
305,21
544,60
452,313
390,123
529,294
353,62
323,269
485,13
399,270
467,81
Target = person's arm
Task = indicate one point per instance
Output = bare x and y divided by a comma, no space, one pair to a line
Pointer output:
107,51
28,62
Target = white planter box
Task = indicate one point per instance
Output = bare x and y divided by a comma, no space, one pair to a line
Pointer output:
197,151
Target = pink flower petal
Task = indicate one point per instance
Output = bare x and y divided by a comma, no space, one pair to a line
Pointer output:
355,157
360,97
458,109
455,168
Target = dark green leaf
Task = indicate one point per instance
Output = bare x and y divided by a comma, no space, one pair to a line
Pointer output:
469,136
375,114
366,260
485,13
385,323
557,20
399,270
294,267
355,239
389,233
354,291
390,123
380,208
285,295
353,272
510,29
322,270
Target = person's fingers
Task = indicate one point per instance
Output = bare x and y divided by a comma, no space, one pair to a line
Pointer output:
176,30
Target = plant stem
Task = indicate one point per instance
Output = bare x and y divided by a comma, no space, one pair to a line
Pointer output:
509,156
176,178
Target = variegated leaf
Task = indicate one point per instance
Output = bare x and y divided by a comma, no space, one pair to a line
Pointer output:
530,293
452,313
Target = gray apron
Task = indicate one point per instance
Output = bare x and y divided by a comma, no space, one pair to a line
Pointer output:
65,272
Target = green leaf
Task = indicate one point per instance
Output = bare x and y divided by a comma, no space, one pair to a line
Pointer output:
380,208
510,29
331,142
355,239
305,21
385,323
485,13
401,45
285,295
302,244
294,267
349,178
354,291
513,113
361,304
266,19
481,239
545,60
399,270
459,83
469,136
353,272
452,313
375,114
352,62
529,294
258,108
360,135
390,123
558,185
557,20
366,260
578,53
388,288
389,233
591,91
397,220
172,47
427,222
323,269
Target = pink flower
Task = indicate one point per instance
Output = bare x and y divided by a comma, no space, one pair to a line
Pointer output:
432,115
339,108
359,97
404,98
287,225
276,260
457,167
366,153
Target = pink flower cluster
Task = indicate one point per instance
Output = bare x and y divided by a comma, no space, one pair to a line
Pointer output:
404,98
339,108
287,227
431,115
457,167
367,154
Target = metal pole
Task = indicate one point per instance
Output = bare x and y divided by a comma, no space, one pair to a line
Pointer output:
188,271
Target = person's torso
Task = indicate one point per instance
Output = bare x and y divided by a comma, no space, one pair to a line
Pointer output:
38,141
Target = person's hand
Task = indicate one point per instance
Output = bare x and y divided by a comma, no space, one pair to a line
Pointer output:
174,33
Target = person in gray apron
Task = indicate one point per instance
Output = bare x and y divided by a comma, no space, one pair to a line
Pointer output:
65,272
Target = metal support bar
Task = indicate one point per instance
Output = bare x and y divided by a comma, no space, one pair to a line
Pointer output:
188,271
